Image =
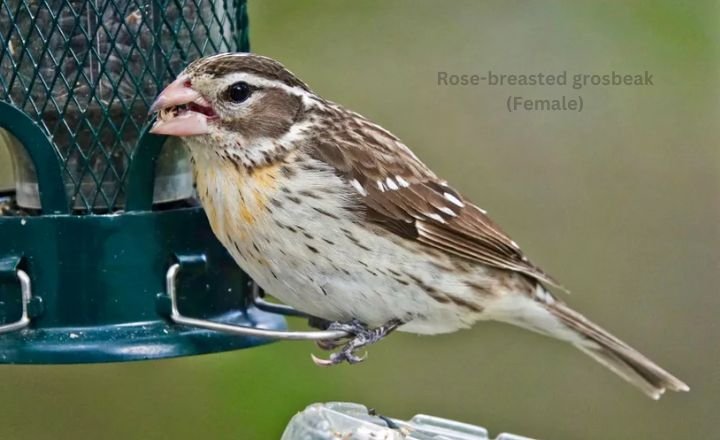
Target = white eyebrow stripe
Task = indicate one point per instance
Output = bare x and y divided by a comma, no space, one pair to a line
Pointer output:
258,81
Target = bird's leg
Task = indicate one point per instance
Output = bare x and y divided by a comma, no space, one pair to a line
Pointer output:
361,336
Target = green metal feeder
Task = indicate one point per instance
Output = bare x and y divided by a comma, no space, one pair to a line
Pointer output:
101,242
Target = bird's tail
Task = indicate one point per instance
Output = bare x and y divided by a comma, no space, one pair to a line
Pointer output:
616,355
553,318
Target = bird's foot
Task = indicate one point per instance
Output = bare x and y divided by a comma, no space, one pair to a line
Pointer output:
324,324
361,336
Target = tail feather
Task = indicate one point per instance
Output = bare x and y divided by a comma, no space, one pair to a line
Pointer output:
545,314
619,357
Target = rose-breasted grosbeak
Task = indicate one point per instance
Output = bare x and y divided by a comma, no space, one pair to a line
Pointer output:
335,216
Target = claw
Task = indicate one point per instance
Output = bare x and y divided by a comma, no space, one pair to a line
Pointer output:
321,362
338,358
361,336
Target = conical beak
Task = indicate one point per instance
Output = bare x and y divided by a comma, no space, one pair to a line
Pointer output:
183,123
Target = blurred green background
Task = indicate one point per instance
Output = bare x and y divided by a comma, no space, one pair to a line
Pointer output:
620,202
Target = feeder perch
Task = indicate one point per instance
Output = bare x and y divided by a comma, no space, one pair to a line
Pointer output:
102,243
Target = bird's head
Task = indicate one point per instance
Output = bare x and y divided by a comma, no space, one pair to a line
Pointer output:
242,104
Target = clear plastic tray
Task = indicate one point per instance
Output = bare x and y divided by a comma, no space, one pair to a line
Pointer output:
352,421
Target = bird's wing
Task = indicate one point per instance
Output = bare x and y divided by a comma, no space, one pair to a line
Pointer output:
406,197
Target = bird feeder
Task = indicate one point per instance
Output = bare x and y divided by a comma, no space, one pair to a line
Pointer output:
101,243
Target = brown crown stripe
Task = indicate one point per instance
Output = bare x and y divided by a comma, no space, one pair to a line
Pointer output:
263,67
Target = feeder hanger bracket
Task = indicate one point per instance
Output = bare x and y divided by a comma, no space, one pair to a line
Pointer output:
178,318
9,265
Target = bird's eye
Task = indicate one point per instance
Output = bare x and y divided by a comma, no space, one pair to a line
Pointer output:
238,92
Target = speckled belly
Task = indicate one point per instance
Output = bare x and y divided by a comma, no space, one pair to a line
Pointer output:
295,238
